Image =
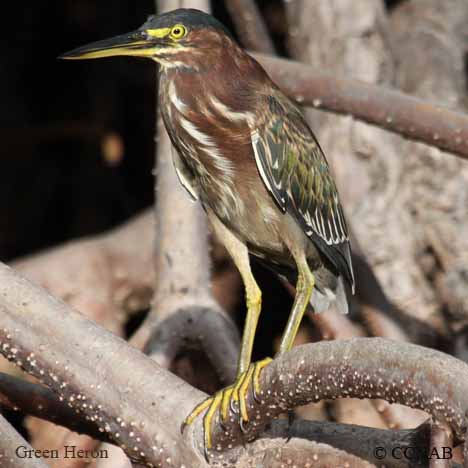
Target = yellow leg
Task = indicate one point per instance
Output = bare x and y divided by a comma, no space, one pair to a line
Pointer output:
246,372
304,288
240,255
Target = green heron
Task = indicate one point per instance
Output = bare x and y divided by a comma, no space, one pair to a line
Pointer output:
245,151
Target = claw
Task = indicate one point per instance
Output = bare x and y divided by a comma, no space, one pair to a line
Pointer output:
242,426
226,400
234,399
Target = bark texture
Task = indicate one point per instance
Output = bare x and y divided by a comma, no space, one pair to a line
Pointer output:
426,38
392,200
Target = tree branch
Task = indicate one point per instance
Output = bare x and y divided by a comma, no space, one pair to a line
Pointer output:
362,368
392,110
250,25
361,441
99,375
105,277
141,406
39,401
102,276
358,440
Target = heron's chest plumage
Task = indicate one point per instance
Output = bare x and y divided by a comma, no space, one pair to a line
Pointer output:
215,162
209,146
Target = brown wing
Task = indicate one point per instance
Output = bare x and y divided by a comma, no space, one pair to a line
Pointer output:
295,171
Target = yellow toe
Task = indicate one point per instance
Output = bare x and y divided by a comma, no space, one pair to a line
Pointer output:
225,403
196,412
208,419
225,400
242,393
258,367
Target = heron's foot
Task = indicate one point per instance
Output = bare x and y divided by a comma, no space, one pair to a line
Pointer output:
231,399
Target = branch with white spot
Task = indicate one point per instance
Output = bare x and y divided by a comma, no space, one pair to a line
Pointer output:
402,373
392,110
141,406
36,400
97,374
361,441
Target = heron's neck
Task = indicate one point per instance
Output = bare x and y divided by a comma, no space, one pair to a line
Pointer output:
234,80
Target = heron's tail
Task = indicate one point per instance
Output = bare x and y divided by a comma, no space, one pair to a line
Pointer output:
321,300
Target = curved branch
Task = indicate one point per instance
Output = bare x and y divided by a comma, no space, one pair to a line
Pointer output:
141,406
358,440
250,25
392,110
124,393
199,327
361,441
402,373
35,400
100,275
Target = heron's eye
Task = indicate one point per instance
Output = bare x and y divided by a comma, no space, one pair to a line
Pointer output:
178,32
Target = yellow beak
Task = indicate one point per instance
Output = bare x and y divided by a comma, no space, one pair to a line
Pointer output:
135,44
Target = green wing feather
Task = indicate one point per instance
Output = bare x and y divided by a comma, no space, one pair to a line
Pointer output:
295,171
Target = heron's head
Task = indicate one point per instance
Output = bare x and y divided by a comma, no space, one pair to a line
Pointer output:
183,38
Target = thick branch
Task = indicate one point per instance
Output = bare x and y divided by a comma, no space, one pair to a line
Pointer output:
361,441
123,392
36,400
363,368
142,406
102,275
250,25
358,440
395,111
